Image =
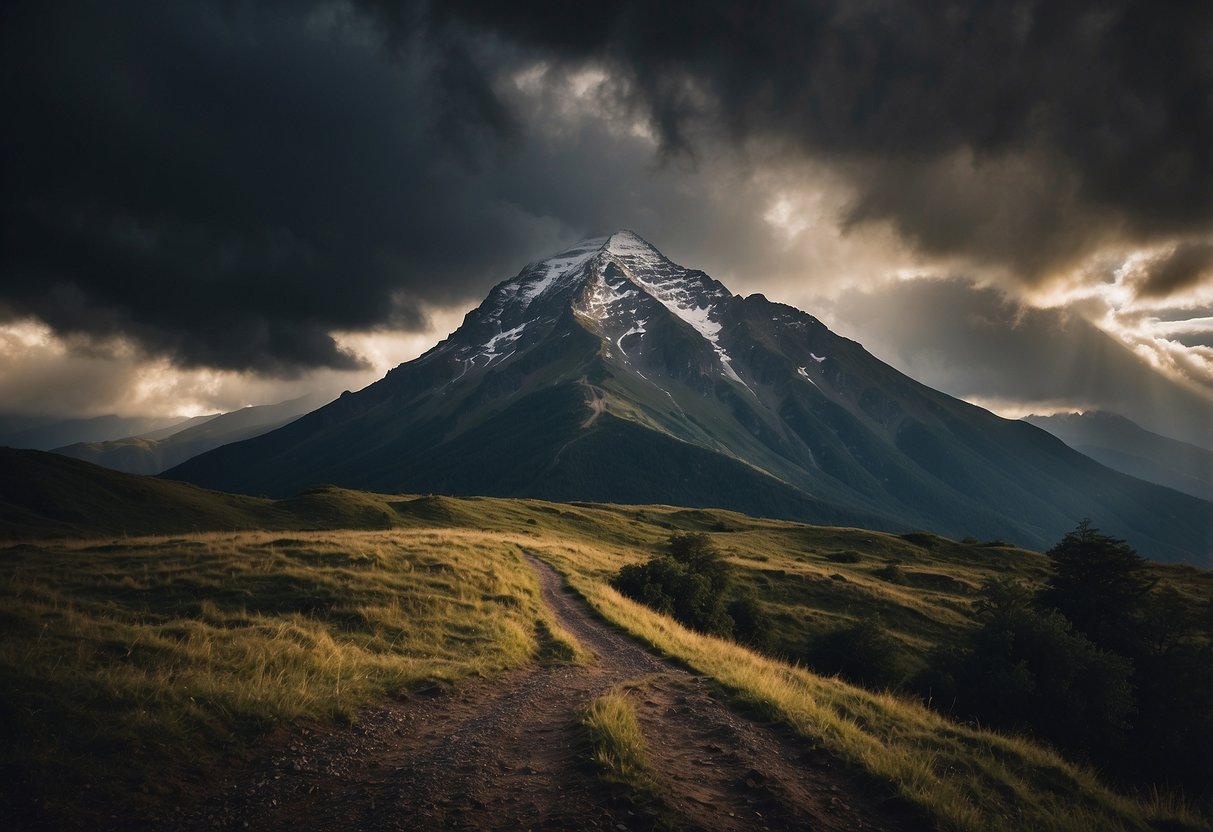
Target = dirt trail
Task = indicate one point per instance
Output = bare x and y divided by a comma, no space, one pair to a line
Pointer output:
505,753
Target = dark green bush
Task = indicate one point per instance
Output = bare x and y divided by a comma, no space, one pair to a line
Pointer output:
893,573
751,624
845,556
863,653
692,583
1028,669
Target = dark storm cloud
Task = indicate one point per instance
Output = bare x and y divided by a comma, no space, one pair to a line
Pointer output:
1021,133
226,183
1188,265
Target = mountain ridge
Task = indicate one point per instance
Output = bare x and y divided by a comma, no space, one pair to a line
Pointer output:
43,433
154,452
1123,445
610,347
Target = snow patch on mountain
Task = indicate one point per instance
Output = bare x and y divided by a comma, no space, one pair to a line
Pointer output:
629,244
500,341
692,299
637,329
542,276
671,286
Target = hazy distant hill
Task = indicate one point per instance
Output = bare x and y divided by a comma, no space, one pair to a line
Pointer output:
1124,445
155,452
609,373
43,434
164,433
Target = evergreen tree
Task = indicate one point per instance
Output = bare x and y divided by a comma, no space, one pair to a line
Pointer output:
1100,585
1026,668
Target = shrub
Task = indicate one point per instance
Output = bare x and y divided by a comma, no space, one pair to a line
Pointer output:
692,583
751,624
893,573
697,551
1028,669
863,653
845,556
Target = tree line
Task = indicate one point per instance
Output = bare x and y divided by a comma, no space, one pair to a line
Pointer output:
1099,662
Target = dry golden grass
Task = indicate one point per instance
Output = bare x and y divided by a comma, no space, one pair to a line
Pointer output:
119,656
965,778
616,739
123,656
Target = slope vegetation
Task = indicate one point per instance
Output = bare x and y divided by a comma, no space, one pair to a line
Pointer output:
48,495
139,664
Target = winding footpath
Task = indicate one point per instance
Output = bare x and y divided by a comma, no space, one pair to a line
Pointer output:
507,753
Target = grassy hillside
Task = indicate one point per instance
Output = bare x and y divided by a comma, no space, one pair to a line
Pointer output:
139,665
129,664
810,578
48,495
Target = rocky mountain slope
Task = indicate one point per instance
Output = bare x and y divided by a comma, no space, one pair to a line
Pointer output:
608,372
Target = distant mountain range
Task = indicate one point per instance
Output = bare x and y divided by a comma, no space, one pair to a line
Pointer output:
609,373
154,452
43,433
1124,445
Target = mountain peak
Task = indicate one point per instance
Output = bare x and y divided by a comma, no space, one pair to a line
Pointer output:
558,274
625,242
609,372
622,243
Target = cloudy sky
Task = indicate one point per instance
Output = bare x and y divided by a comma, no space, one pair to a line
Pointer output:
212,204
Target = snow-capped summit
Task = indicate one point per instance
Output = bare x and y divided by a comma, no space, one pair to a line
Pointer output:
537,278
574,265
617,284
608,372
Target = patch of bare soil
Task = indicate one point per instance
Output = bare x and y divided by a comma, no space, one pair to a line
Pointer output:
507,753
721,771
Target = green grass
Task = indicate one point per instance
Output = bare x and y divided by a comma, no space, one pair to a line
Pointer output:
618,750
618,746
44,495
126,659
965,778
